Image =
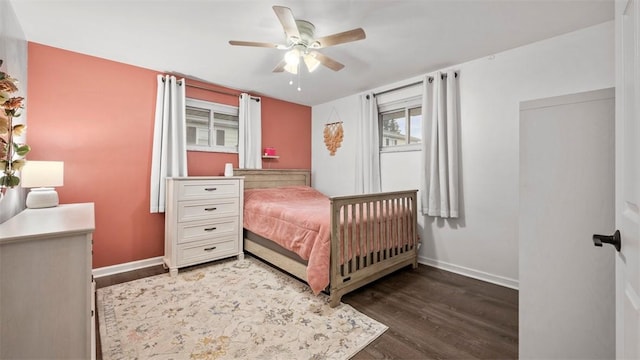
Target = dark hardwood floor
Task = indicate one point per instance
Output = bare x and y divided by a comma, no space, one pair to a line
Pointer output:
435,314
431,314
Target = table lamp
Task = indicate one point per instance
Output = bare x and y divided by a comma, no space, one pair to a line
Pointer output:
42,177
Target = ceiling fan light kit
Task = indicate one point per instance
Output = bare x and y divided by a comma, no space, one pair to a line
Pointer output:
291,68
311,62
292,57
302,43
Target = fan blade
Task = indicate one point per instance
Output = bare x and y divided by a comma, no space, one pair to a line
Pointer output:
280,66
327,61
256,44
340,38
285,15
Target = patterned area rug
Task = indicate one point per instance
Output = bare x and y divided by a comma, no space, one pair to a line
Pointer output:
234,309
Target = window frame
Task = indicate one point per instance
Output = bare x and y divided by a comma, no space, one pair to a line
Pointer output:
213,109
400,105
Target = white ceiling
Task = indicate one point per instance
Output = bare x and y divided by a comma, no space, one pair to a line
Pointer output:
404,38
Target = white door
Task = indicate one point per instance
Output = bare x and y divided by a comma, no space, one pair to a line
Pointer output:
567,187
628,178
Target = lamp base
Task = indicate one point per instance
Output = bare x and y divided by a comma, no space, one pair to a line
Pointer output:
42,198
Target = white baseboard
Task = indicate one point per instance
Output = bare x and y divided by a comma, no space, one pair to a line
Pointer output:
480,275
121,268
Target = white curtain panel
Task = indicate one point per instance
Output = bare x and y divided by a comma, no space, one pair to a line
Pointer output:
250,132
367,175
169,157
440,153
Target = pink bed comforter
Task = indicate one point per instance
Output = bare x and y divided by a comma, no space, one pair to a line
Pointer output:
297,218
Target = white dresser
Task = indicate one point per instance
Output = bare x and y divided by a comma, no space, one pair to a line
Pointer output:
203,220
46,287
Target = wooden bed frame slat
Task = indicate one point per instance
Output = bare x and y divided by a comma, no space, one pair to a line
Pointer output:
378,248
292,266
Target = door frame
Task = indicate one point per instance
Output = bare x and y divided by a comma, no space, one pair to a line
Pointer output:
627,53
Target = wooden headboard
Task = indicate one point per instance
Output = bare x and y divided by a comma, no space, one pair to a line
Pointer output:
268,178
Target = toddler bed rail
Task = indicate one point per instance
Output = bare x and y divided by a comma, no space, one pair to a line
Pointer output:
372,235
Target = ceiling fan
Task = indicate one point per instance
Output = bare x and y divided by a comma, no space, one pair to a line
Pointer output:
302,44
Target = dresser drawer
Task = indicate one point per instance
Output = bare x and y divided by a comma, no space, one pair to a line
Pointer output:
193,190
207,209
205,251
207,229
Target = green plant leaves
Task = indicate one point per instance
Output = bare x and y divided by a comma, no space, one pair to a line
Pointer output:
9,107
21,149
9,180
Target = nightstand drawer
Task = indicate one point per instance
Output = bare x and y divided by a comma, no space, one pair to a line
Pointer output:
202,230
204,251
193,190
207,209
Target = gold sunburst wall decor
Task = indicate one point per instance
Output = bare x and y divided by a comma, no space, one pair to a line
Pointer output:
333,132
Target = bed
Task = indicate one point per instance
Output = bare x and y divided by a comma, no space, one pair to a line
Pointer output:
360,239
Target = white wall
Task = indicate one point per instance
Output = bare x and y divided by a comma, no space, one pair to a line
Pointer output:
334,175
483,243
13,50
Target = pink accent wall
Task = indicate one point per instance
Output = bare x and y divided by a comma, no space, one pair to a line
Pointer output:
285,126
97,116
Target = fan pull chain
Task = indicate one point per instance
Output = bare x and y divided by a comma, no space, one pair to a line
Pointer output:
299,71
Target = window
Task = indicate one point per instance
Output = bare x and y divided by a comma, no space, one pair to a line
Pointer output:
211,126
401,125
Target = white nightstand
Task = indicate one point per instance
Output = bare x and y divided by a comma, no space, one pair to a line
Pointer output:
203,220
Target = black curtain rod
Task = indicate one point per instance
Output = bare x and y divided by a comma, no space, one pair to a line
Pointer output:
220,91
398,88
215,90
430,79
212,90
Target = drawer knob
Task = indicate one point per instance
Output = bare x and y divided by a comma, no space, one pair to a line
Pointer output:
210,209
210,189
210,229
210,248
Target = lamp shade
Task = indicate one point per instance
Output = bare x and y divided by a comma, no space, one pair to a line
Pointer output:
42,174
